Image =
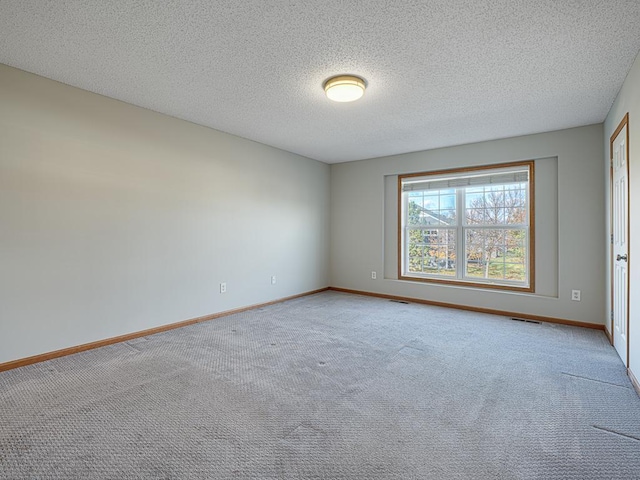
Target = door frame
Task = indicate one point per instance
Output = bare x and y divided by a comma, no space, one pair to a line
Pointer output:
624,122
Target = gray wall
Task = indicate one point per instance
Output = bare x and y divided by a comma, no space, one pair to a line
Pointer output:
628,100
115,219
569,223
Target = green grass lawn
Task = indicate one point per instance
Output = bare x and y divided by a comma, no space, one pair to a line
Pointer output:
509,268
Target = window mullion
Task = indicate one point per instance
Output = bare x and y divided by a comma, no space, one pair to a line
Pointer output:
460,233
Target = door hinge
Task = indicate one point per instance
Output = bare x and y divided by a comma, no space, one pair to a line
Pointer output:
611,315
612,239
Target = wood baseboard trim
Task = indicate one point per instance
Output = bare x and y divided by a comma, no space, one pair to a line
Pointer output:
526,316
142,333
634,381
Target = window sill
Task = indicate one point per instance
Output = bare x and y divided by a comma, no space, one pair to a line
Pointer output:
469,283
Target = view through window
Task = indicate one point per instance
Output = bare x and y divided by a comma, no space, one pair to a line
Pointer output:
470,226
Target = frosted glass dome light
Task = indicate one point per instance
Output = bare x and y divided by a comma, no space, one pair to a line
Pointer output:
344,88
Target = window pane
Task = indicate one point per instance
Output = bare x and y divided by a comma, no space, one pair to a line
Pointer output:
431,202
474,199
437,207
447,202
448,217
496,205
432,251
517,215
475,216
497,254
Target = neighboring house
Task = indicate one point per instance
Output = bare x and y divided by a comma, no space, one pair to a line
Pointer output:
429,217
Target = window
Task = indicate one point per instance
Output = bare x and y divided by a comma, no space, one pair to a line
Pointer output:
470,226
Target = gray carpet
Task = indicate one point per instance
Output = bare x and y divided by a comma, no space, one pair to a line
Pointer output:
330,386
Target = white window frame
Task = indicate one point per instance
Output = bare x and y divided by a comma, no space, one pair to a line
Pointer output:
456,179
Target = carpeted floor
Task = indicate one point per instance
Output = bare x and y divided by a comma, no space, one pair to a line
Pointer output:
330,386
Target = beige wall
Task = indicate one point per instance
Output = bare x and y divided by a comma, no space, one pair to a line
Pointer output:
628,101
115,219
569,223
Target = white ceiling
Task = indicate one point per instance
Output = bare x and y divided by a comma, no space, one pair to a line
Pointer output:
440,72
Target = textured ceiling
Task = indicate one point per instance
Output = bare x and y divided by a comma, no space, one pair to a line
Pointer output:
440,72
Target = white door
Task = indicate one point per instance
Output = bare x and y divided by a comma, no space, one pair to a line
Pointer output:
620,220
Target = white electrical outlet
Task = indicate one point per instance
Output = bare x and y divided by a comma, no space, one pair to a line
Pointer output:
273,280
223,287
373,275
575,295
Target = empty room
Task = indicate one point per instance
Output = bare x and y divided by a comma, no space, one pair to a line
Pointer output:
328,240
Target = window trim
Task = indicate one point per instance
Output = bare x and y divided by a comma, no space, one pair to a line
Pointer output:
530,288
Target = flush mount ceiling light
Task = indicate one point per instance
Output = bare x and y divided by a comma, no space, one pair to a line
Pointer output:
344,88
